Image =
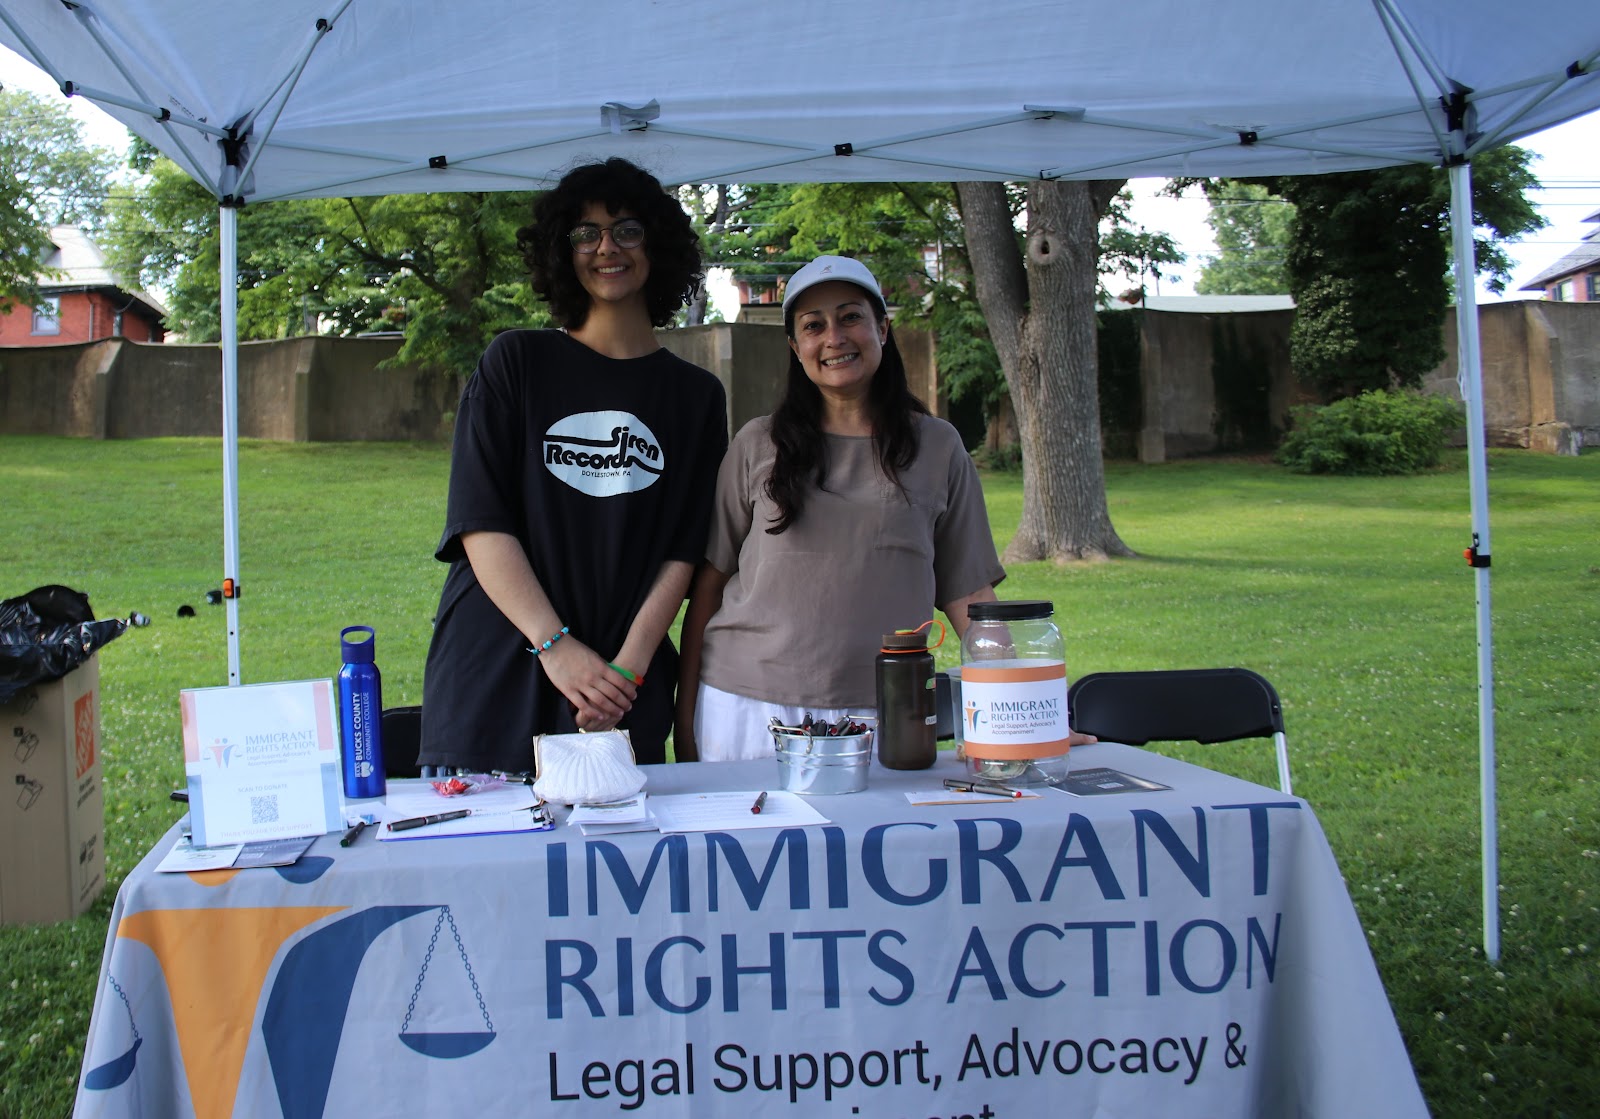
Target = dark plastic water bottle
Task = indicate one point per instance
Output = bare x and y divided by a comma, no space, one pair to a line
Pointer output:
907,713
361,714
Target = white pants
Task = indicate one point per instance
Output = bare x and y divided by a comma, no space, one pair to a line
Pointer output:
733,728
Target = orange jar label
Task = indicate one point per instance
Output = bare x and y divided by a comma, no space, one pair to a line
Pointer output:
1014,710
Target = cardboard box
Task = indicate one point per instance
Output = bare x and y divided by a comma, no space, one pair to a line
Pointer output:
52,799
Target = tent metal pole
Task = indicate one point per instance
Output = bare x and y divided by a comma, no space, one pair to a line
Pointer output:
230,431
1470,380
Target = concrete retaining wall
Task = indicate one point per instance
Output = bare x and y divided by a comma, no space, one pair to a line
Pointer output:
326,389
1178,380
1541,375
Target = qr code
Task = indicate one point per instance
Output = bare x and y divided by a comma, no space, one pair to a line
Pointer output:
264,809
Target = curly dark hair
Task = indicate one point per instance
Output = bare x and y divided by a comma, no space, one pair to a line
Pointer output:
797,427
670,242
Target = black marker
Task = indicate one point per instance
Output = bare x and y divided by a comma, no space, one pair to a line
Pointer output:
353,834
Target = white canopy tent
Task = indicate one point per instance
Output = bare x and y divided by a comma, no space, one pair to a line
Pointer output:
309,98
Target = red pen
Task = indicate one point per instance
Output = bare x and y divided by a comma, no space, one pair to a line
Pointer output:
761,800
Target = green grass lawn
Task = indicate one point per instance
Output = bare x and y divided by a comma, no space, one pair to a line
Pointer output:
1349,594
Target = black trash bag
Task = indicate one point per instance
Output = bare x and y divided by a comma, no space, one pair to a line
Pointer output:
45,634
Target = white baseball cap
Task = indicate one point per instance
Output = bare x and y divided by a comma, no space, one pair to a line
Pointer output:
826,268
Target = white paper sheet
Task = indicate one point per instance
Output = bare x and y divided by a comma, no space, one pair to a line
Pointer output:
731,811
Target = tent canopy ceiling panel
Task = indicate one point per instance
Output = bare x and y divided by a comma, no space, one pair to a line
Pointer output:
307,98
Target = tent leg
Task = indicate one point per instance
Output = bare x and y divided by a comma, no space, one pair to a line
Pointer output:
230,431
1470,379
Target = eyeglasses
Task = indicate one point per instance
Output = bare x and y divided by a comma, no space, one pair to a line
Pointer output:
625,234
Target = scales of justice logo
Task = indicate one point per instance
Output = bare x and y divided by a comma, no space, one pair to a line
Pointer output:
304,1004
604,453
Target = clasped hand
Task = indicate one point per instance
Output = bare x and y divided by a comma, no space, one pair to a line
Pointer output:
599,695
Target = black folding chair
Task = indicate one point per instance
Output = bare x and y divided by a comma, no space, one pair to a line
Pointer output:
402,738
1180,705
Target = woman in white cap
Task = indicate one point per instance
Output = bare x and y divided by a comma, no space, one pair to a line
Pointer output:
848,513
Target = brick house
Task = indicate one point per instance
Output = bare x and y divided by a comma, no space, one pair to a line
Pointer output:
84,301
1575,278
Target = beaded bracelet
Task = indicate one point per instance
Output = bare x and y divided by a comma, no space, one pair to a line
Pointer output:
554,637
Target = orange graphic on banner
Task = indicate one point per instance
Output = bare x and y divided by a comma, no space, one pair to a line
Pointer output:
213,877
214,962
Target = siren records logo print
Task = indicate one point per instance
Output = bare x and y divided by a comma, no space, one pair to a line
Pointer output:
603,454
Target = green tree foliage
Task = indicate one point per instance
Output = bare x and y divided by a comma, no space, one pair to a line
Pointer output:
456,273
1369,265
763,232
49,176
1127,249
1253,228
442,267
893,226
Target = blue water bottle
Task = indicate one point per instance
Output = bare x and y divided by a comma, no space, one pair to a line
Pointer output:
360,713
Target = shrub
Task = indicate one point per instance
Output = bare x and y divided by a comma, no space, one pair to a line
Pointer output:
1377,432
1008,457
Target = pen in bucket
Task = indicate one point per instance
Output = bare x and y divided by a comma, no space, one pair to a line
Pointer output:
822,756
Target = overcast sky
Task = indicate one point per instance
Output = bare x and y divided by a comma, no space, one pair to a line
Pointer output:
1569,168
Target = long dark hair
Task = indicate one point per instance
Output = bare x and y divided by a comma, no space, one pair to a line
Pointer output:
669,240
797,427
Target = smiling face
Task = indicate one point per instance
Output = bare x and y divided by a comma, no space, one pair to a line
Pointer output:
838,337
611,275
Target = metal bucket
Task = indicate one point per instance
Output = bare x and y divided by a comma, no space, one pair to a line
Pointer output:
821,765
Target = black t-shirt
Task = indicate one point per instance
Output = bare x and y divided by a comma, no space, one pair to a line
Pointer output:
604,469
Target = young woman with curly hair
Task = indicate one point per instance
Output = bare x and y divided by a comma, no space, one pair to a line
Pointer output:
846,514
580,489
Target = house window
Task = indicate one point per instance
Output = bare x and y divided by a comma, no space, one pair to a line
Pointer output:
1562,293
1592,282
47,320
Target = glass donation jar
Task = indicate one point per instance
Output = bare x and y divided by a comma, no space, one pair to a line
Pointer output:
1014,694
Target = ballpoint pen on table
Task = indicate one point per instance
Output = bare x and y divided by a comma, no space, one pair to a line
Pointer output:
761,802
978,787
353,834
423,821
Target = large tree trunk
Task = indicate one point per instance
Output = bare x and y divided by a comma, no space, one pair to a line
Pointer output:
1041,317
1002,430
